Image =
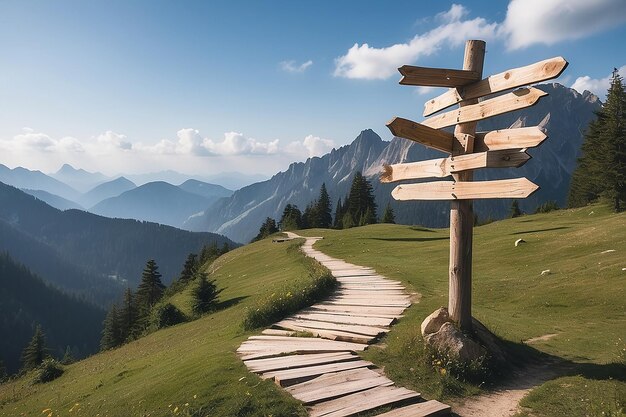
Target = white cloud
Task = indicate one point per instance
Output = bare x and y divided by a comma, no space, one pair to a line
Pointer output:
366,62
530,22
527,22
598,86
291,66
310,146
237,144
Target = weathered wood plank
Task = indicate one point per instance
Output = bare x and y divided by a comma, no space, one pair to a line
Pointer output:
443,167
430,408
450,190
297,361
339,390
337,318
505,103
331,334
426,135
362,401
293,376
513,78
523,137
332,378
436,77
322,325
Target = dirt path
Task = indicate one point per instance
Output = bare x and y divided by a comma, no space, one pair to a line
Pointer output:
505,400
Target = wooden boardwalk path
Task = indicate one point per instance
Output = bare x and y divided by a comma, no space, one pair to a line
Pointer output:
324,371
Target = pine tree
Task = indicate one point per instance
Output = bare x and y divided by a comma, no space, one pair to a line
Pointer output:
601,170
225,248
515,210
208,253
111,336
338,215
150,289
128,317
189,268
205,294
267,228
360,202
323,216
388,215
291,218
36,351
309,215
68,357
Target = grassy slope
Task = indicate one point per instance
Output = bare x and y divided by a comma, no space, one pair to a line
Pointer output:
173,365
583,300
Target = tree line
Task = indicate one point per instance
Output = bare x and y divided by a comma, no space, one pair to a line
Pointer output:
358,208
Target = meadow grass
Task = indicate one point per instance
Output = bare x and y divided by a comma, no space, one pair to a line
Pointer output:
582,301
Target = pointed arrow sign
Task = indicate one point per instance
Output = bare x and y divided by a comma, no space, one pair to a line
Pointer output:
450,190
524,97
427,136
513,78
523,137
436,77
509,158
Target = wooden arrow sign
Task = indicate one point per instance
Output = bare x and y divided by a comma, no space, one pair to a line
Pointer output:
523,137
436,77
509,158
517,77
450,190
427,136
524,97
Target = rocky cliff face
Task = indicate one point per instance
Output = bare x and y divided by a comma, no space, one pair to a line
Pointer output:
564,113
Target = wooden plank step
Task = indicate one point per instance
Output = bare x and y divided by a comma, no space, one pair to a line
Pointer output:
350,328
336,335
373,292
338,390
362,401
289,377
296,361
297,344
343,319
277,332
367,302
314,309
382,311
332,378
430,408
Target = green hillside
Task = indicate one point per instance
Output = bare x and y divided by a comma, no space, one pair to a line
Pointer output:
582,301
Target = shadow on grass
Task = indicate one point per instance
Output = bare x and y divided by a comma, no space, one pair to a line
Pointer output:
540,230
421,229
222,305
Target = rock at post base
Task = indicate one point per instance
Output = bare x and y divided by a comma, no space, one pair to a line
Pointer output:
433,323
455,344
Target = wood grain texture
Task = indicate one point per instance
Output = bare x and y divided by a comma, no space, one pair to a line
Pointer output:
513,78
523,137
427,136
443,167
436,77
298,361
430,408
465,190
519,99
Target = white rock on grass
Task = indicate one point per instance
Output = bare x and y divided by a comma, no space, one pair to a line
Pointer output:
519,242
433,323
546,272
607,251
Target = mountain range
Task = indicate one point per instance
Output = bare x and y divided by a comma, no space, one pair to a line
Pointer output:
564,113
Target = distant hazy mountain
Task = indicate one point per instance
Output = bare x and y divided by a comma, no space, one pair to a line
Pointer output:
230,180
204,189
79,179
54,200
565,113
89,254
158,202
36,180
26,300
106,190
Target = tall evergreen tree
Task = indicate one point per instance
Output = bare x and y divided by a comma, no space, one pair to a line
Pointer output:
361,203
208,253
267,228
388,215
111,336
323,215
602,167
128,315
204,295
309,215
36,351
291,218
150,289
189,268
338,215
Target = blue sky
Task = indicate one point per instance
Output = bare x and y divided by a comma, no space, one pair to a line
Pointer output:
206,87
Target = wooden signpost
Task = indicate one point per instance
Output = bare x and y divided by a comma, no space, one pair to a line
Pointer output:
468,150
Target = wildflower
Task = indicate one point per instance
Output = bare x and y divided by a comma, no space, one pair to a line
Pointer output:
443,371
195,396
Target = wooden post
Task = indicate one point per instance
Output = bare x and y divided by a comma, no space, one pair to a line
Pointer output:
461,213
